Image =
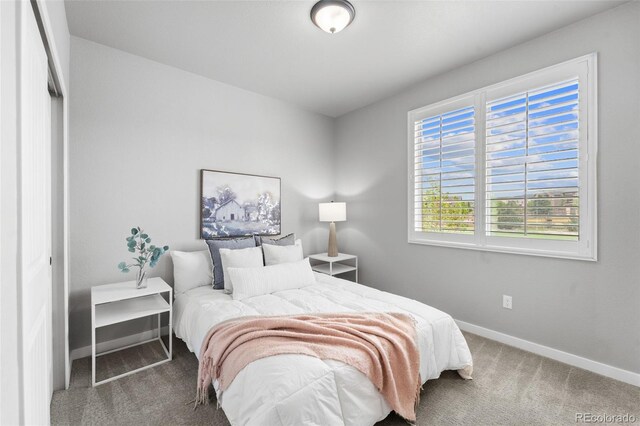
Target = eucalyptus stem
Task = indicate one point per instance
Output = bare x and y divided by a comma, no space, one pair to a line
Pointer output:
140,243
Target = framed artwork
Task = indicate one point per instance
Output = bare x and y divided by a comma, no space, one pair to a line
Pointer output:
238,205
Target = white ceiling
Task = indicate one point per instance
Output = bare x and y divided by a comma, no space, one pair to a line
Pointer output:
272,47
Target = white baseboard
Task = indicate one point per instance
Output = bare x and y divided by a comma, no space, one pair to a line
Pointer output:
120,342
555,354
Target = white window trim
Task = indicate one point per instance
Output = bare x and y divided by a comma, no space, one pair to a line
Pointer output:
586,248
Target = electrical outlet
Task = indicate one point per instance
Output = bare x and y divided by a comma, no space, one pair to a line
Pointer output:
507,302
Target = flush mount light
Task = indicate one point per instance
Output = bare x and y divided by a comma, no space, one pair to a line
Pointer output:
332,16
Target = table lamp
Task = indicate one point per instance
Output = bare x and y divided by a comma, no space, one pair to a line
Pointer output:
332,212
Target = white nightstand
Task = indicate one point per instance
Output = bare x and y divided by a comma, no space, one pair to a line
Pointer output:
335,265
119,302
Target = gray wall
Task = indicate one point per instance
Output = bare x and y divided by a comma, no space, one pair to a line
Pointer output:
587,309
140,133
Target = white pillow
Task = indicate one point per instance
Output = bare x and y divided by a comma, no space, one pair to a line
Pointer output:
274,255
238,258
191,269
249,282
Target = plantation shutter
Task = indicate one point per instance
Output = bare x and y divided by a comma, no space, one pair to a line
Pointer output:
531,164
444,165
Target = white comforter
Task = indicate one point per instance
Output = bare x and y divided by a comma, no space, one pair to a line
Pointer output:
297,389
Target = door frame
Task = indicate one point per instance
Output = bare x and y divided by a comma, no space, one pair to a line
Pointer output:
55,64
10,354
11,404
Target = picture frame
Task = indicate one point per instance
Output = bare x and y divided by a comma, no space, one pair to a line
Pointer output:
239,204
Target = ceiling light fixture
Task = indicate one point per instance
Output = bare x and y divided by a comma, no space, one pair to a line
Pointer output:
332,16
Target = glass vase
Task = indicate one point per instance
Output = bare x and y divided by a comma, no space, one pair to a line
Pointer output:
141,279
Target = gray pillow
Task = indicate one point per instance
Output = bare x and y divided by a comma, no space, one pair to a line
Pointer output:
214,250
287,240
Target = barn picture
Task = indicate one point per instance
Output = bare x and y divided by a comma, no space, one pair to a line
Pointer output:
234,204
229,212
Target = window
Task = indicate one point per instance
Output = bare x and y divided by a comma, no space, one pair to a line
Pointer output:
445,171
510,167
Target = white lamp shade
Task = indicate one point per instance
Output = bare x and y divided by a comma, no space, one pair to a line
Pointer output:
332,212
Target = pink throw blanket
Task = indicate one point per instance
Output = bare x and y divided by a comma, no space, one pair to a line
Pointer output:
380,345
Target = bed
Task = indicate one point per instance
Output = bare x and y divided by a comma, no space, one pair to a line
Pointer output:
297,389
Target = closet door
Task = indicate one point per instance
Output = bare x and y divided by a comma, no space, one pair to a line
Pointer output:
35,220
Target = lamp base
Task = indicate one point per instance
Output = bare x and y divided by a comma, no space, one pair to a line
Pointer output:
332,251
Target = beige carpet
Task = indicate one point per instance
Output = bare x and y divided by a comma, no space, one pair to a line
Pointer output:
510,386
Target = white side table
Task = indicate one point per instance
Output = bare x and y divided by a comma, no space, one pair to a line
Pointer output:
335,265
119,302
